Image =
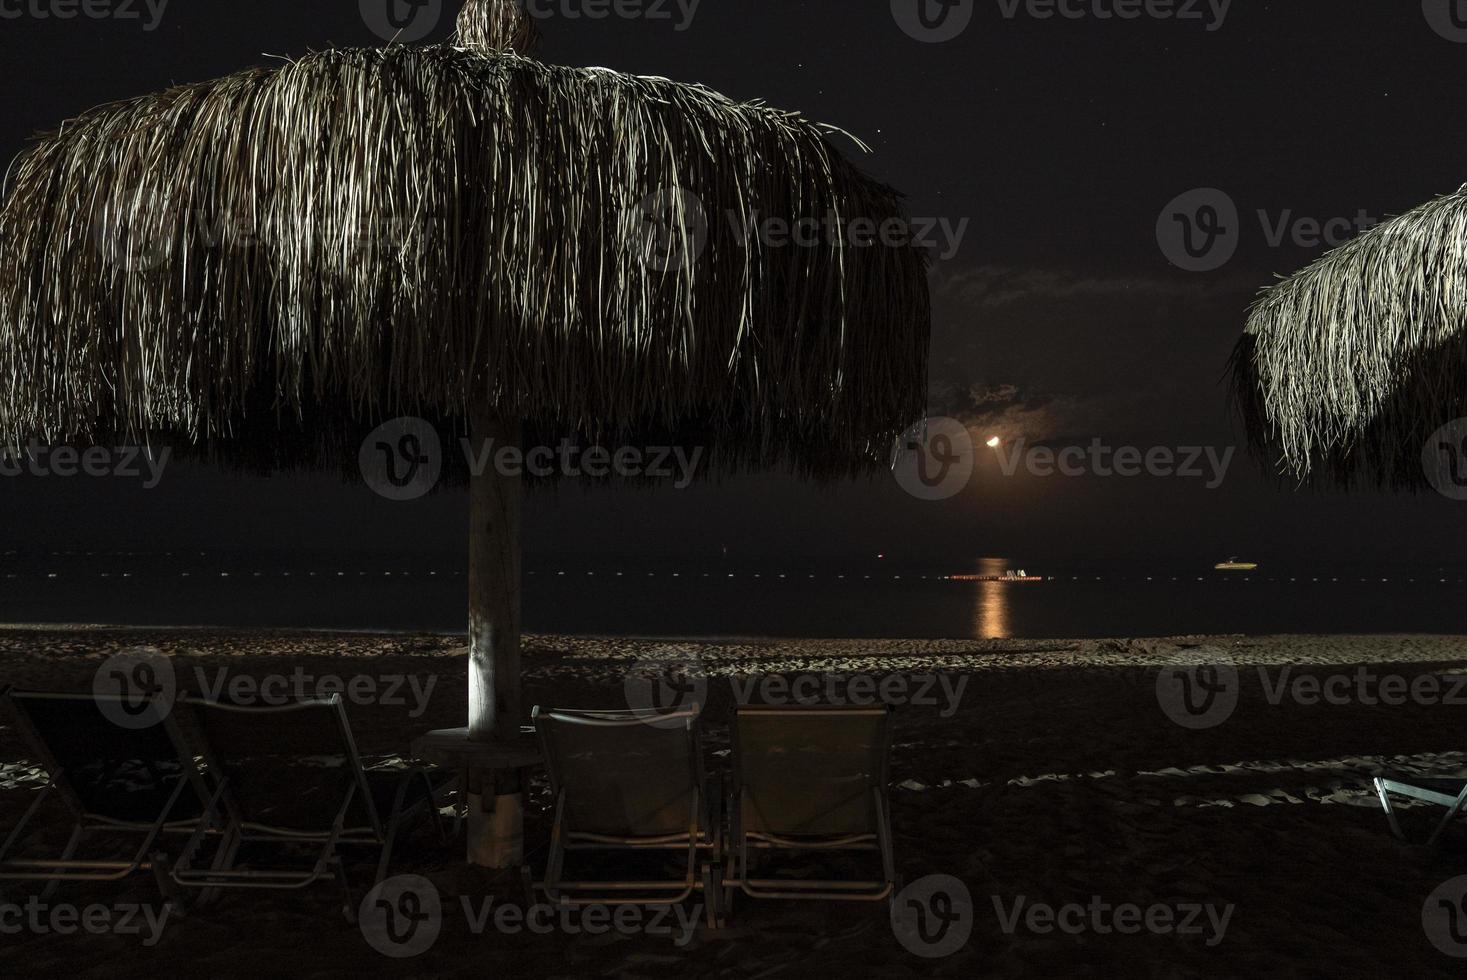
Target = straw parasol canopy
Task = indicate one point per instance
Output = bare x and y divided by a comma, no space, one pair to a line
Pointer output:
267,265
1349,370
361,234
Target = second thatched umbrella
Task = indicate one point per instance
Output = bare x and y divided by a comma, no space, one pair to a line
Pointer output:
1354,370
266,265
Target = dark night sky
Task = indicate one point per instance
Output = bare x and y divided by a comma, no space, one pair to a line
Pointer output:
1059,317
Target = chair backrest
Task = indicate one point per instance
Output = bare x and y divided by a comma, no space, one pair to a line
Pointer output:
119,772
288,767
624,774
810,771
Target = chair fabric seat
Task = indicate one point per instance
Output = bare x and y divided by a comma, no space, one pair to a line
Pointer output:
810,778
630,780
120,769
302,810
290,775
138,804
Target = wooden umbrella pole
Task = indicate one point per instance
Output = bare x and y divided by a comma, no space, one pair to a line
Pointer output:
495,799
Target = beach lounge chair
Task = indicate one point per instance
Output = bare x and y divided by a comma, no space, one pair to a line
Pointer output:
116,780
630,781
290,775
810,779
1449,793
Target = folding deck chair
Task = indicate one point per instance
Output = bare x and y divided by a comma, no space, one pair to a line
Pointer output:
291,775
630,781
1449,793
810,779
118,780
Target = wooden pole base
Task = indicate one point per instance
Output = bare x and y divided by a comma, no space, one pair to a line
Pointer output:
495,826
495,774
496,830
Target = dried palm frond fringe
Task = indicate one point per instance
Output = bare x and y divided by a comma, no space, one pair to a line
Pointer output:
1348,367
287,254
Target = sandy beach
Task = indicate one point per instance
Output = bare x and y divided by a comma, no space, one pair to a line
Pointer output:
1038,773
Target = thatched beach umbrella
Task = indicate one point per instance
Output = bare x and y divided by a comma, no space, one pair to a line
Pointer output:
267,265
1350,369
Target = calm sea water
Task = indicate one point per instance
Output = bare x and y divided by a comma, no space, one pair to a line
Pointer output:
720,598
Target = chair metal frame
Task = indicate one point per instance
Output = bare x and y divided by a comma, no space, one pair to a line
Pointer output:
327,864
1402,786
68,867
742,841
704,833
